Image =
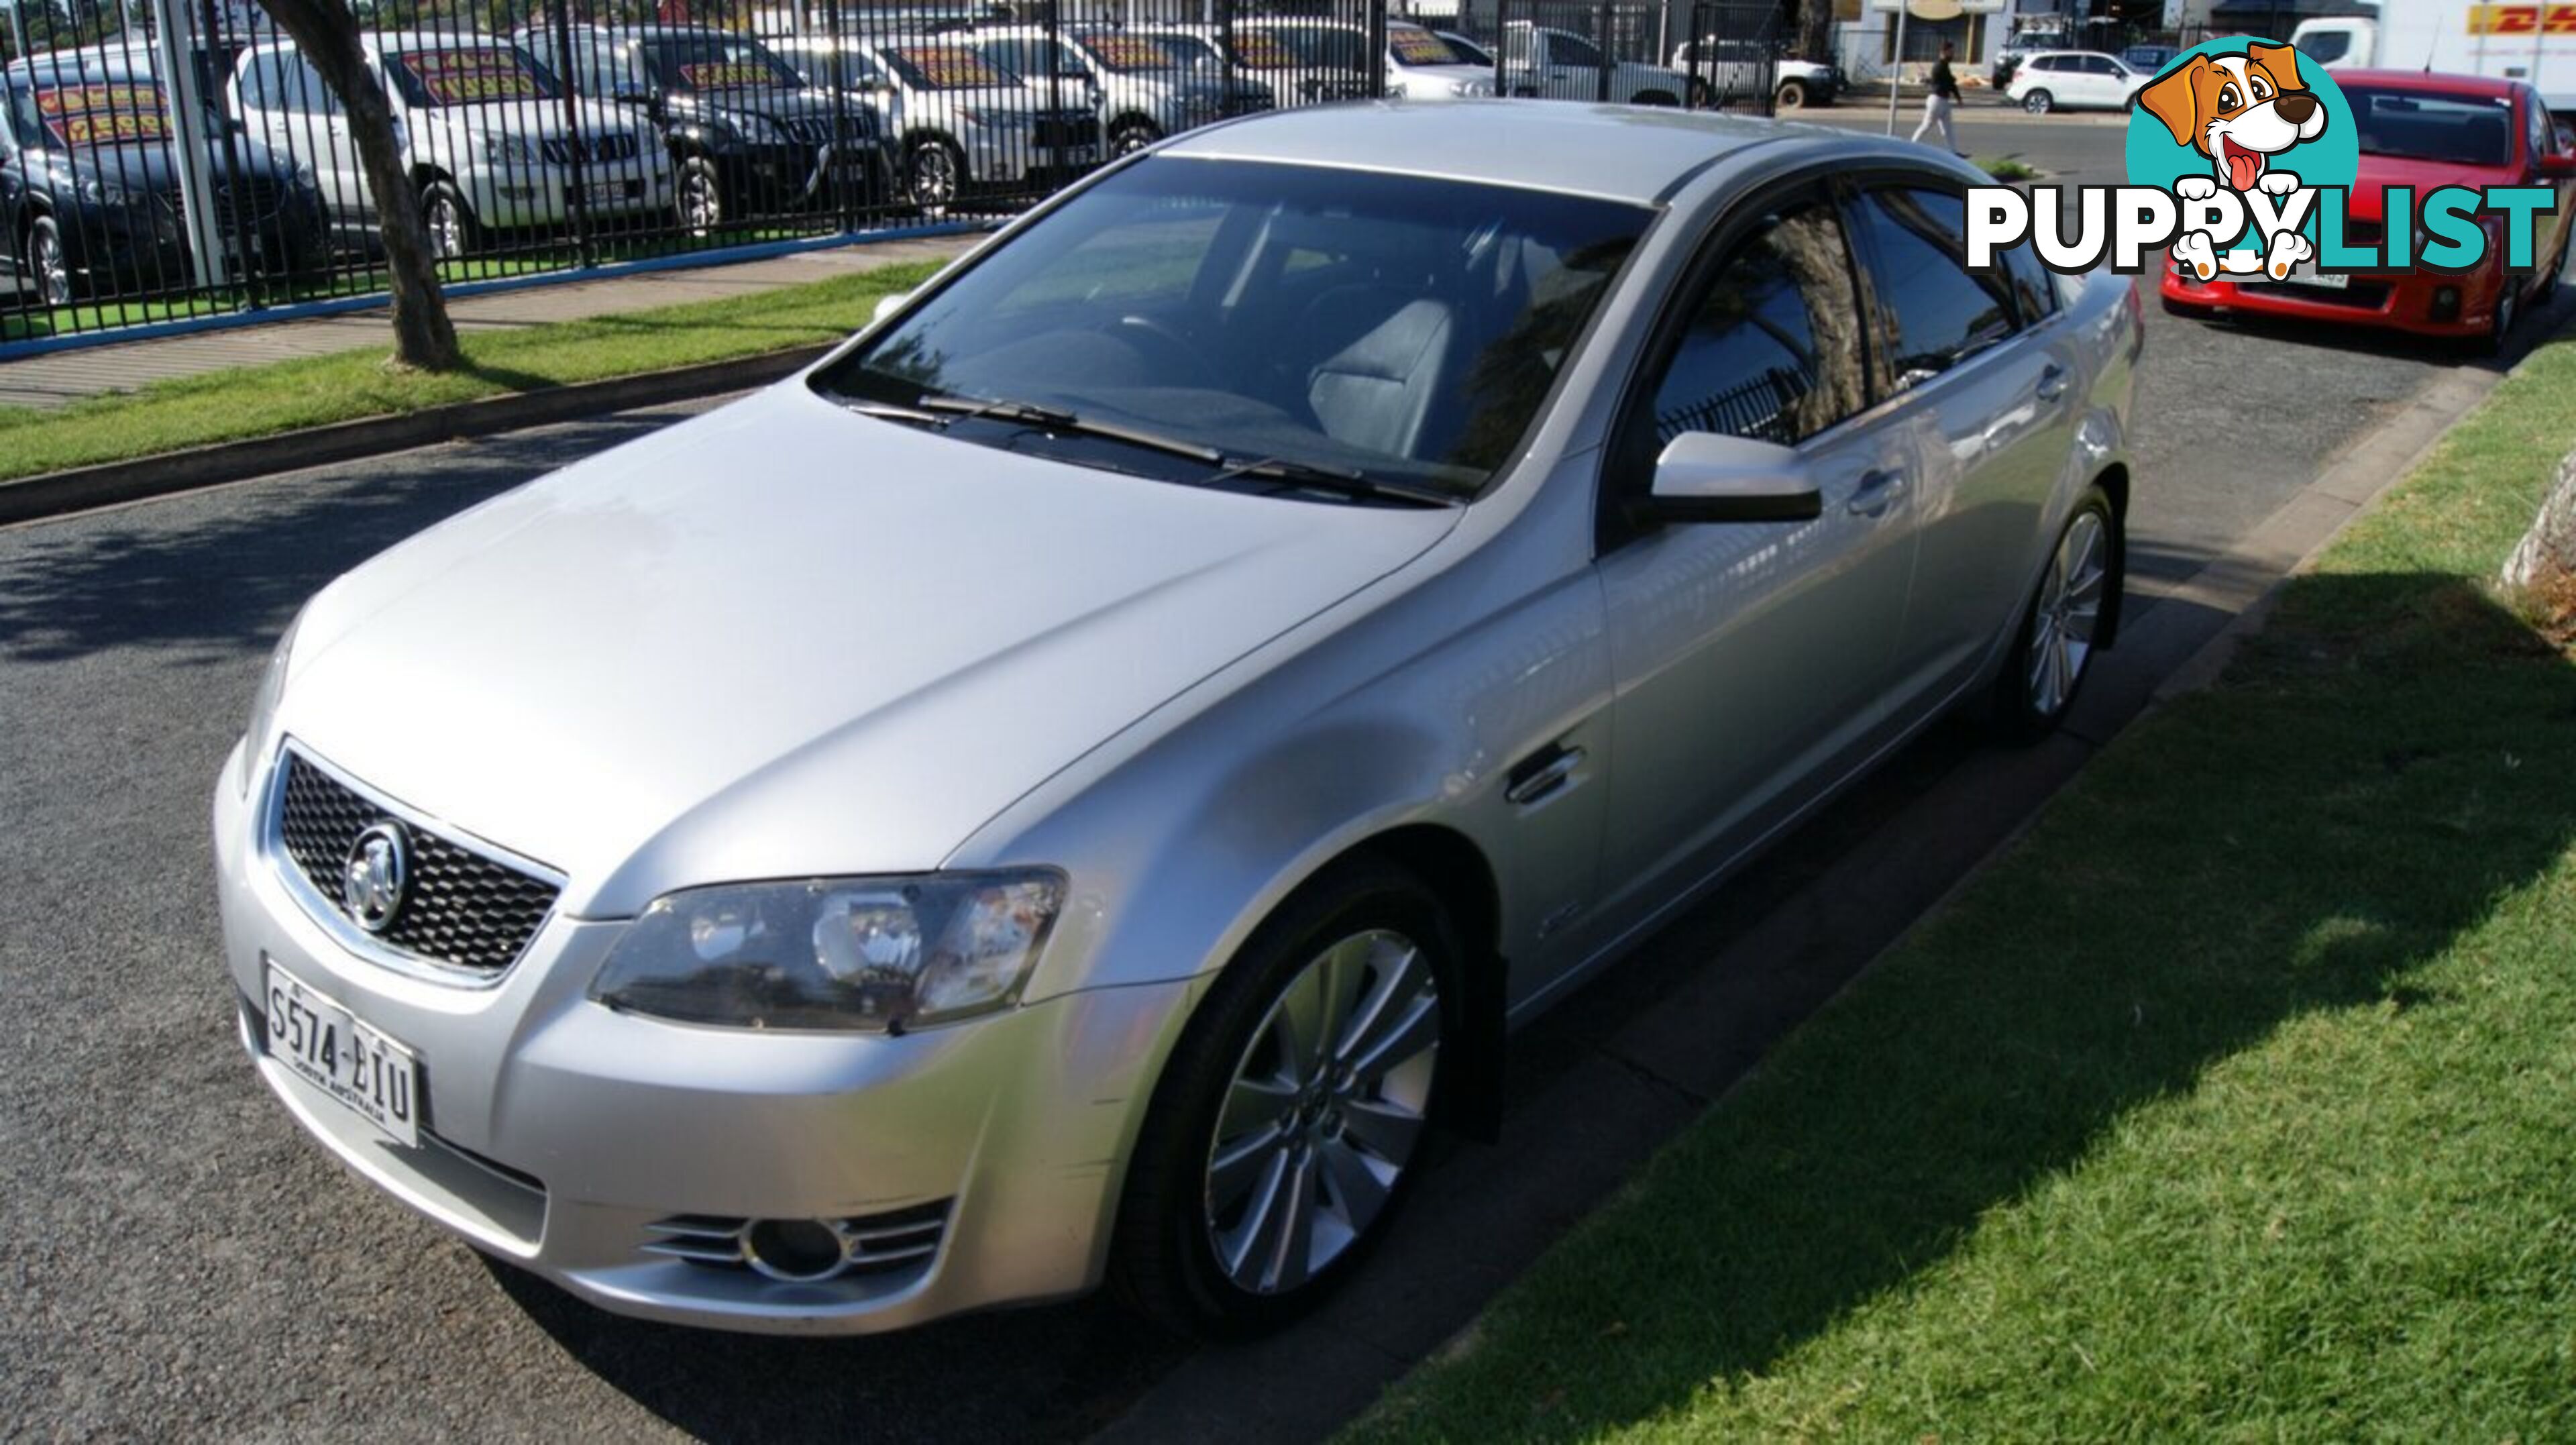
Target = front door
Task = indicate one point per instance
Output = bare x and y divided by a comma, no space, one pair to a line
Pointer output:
1751,658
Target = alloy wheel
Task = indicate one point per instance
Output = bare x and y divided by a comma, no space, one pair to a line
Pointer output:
1131,139
701,209
446,229
1323,1112
53,272
934,175
2069,609
2037,102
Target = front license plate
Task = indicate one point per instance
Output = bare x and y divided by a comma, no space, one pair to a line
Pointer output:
2303,275
358,1066
603,196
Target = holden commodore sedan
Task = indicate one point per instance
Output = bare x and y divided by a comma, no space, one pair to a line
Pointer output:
1075,785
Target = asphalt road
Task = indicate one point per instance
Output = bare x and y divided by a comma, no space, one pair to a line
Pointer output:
179,1262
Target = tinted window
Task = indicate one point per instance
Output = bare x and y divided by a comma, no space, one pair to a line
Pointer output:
1567,50
2328,47
1773,350
2034,289
2473,130
1936,311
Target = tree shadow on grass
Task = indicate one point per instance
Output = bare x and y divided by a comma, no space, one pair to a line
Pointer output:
2385,764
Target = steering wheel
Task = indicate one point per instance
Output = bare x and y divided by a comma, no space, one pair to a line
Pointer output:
1193,360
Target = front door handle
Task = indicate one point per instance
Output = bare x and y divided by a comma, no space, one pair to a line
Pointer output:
1541,774
1878,491
2052,382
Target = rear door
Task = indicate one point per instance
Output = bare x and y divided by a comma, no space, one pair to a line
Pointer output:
1751,658
1986,392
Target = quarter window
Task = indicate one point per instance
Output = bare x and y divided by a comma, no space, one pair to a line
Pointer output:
1773,350
1934,311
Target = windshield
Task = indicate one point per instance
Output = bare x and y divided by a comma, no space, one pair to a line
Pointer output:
1187,49
1317,45
1393,327
1263,50
469,75
1421,47
946,67
2468,130
122,112
717,63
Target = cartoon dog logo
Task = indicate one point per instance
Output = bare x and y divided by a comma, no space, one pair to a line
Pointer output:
2240,111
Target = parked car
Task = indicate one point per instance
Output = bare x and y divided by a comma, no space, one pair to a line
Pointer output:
964,124
1561,65
2029,42
1473,51
2074,80
482,124
90,194
1417,64
1743,69
746,135
1300,59
2423,131
1142,91
1100,783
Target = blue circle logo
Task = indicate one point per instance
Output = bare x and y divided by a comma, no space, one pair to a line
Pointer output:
2243,113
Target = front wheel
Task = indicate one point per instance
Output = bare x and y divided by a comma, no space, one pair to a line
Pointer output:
699,197
934,173
1132,136
2053,649
1288,1123
51,267
1792,95
2508,311
2038,102
450,225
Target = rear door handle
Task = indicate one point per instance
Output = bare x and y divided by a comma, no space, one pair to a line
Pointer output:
2052,382
1878,491
1541,774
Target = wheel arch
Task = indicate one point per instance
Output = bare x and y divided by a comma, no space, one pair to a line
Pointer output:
2114,482
1462,878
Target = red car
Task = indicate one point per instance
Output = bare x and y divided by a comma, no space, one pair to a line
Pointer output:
2423,130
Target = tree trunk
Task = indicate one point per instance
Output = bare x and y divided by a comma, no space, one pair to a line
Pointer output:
2545,562
327,33
1816,30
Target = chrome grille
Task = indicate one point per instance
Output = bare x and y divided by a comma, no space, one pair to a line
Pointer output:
594,149
461,909
254,195
871,1244
816,130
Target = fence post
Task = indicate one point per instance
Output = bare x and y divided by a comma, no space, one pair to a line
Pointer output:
559,18
180,95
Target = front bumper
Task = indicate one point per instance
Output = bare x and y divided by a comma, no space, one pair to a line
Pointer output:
2404,302
557,1133
766,178
512,197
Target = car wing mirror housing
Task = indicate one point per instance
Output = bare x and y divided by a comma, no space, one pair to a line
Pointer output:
1710,477
2556,165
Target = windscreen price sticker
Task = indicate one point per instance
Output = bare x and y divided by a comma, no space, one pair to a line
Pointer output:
724,75
103,114
1421,47
468,77
1128,52
953,67
1261,50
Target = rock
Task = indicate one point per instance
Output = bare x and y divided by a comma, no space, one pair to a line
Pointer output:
2545,560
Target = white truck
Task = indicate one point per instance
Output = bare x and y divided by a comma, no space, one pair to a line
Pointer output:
2532,41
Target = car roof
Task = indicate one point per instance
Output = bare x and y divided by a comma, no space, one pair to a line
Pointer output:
2432,82
2038,54
1623,152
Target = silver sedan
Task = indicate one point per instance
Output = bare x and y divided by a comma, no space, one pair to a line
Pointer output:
1076,784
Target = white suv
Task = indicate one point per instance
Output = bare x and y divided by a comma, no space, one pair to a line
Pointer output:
1561,65
1419,64
483,134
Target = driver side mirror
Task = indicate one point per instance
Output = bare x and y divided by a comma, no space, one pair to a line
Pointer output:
889,304
1710,477
2555,165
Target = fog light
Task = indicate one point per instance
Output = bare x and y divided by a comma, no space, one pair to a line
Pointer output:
795,1250
2446,303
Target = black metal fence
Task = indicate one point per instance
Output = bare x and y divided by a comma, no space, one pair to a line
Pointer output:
162,160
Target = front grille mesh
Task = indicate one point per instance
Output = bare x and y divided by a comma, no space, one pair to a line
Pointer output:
460,908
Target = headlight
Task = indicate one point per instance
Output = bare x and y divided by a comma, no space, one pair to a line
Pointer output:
509,150
1471,87
263,704
878,955
114,197
756,127
306,180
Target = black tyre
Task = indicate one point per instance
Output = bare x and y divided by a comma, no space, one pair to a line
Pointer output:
2508,313
934,175
2062,625
1288,1124
697,196
2546,289
1699,94
450,224
1132,135
2038,102
49,265
1792,95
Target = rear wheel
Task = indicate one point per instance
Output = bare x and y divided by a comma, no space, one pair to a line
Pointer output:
2508,311
1132,135
2038,102
2053,649
699,197
1288,1124
933,175
1792,95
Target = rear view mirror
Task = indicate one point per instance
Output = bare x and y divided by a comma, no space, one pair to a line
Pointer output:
890,303
1709,477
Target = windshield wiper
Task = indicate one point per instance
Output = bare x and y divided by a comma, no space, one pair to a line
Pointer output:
1343,481
1048,418
889,411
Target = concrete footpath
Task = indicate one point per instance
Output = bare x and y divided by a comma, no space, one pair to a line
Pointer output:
63,376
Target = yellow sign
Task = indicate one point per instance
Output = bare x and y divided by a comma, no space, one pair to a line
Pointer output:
2522,20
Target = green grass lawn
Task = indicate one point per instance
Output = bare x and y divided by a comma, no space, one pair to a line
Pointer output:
314,391
2237,1102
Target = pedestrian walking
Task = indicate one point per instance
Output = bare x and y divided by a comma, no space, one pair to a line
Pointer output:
1941,100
